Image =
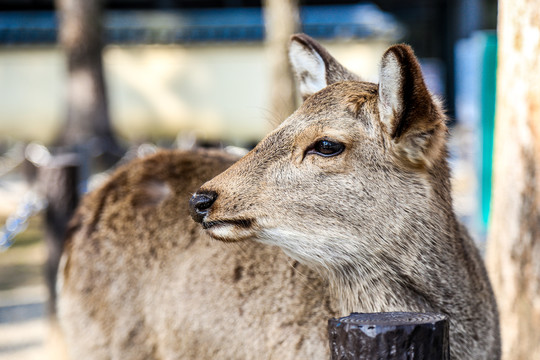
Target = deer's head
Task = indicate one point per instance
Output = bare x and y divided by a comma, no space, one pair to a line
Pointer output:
352,169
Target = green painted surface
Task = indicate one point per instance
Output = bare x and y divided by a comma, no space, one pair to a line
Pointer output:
488,95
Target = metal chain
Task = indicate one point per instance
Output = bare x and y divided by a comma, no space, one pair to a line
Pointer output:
30,205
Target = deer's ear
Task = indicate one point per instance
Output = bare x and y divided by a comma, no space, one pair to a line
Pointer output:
413,118
313,67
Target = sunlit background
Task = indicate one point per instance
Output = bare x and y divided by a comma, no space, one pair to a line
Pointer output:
180,72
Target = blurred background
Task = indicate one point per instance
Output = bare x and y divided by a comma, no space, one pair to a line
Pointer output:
87,85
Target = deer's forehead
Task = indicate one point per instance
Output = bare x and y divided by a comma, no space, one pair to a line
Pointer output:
341,94
336,111
345,107
339,101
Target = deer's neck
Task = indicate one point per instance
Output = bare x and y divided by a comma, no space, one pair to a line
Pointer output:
358,290
408,262
408,276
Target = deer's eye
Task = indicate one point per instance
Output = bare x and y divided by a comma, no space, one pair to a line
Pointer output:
326,147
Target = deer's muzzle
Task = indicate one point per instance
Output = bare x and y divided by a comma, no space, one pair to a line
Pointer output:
200,203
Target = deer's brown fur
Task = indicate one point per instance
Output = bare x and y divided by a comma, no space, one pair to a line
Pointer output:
367,229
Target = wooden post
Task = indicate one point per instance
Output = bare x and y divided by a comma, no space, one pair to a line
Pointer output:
58,183
389,336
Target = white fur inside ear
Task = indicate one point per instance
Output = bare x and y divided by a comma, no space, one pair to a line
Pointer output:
390,90
309,69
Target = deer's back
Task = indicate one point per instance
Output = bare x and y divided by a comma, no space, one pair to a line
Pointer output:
140,280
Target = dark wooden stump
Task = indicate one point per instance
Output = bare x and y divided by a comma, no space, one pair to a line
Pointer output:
58,183
396,335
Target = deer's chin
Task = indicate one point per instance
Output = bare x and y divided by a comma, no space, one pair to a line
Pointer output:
230,231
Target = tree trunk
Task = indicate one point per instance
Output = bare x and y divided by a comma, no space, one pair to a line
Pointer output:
282,20
87,123
514,237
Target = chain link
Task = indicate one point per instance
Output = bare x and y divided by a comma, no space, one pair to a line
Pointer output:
29,205
17,222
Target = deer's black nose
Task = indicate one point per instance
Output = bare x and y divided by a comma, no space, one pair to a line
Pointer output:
200,203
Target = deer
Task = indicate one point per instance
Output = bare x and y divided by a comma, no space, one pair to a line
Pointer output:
345,207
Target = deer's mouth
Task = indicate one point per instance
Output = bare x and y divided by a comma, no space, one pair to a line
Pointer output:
243,223
230,230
